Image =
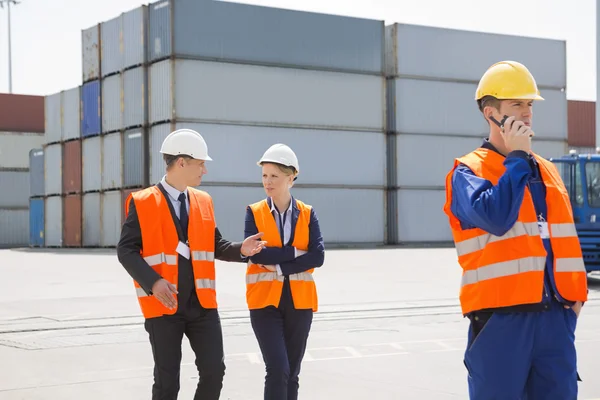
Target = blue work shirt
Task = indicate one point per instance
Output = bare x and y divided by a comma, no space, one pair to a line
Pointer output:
495,209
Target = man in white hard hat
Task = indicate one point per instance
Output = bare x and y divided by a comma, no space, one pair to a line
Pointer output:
169,243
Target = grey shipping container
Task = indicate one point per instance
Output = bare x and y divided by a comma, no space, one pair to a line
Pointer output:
53,169
36,173
112,161
112,103
53,228
134,158
235,149
15,228
207,91
15,148
92,219
15,193
111,55
90,49
111,218
134,94
134,36
549,148
53,117
449,54
156,134
421,217
245,33
449,108
92,163
71,111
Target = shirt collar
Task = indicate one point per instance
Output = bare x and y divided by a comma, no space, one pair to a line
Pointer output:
174,193
488,145
275,209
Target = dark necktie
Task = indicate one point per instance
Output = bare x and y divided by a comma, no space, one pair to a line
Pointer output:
183,215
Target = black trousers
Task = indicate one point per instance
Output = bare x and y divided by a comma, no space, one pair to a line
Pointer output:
282,334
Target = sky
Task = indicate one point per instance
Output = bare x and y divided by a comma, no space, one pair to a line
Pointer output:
46,34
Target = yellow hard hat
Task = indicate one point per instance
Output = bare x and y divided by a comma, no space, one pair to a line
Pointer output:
508,80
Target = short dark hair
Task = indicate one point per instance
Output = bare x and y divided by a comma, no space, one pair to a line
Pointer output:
490,101
170,159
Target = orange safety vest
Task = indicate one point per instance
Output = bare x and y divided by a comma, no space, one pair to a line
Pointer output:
264,287
160,240
509,270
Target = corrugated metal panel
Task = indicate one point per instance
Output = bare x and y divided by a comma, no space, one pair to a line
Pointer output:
53,214
448,108
112,161
72,221
582,123
112,103
36,222
157,134
111,54
90,46
421,217
244,33
92,221
447,50
91,117
134,36
550,148
36,173
124,194
134,94
53,117
134,158
210,92
15,189
583,150
71,120
22,113
111,218
92,164
15,148
15,228
239,166
53,169
72,167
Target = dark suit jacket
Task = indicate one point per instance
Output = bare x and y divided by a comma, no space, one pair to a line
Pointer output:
130,245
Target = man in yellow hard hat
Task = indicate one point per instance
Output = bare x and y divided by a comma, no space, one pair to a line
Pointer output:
524,280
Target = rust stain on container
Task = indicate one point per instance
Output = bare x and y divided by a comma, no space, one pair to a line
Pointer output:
21,113
125,193
72,167
72,220
582,123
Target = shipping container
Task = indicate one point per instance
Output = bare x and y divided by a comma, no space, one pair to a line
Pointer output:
582,123
92,219
112,161
205,91
22,113
71,171
53,228
134,36
245,33
111,218
91,117
53,169
71,114
584,150
156,134
550,148
15,189
244,145
421,217
449,54
36,222
53,117
134,158
449,108
112,103
111,54
92,164
72,221
15,148
90,49
15,228
124,194
135,105
36,173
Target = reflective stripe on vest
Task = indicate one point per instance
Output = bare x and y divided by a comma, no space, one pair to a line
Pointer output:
203,256
274,276
161,258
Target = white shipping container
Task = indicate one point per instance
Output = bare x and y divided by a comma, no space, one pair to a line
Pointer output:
134,95
550,148
92,163
53,169
15,228
112,161
204,91
53,117
134,36
421,217
235,149
15,148
92,221
90,49
111,54
112,103
71,120
53,227
111,218
15,193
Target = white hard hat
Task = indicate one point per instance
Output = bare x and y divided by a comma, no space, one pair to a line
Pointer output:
187,142
281,154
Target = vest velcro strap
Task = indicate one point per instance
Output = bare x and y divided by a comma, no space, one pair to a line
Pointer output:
479,242
302,276
501,269
263,277
570,265
563,230
160,258
205,284
203,256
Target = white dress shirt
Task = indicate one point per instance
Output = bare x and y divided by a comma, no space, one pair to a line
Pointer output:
284,221
174,196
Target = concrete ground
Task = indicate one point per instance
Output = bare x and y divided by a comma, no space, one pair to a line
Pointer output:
389,328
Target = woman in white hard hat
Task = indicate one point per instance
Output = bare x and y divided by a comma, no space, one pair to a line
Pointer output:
281,292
